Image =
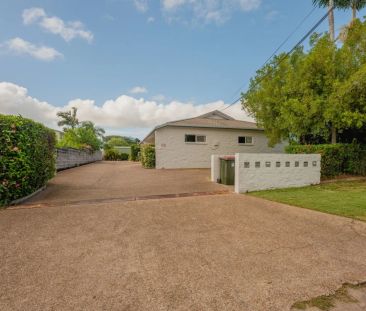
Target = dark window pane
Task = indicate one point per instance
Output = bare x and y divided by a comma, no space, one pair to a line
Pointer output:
241,140
190,138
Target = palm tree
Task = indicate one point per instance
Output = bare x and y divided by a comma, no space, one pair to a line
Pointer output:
355,5
68,118
98,131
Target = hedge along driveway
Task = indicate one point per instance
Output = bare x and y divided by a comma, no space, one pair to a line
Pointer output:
110,180
27,157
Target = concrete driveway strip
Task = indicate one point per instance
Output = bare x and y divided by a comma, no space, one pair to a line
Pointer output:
111,180
226,252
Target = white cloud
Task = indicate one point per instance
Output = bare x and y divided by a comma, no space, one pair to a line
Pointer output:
20,46
141,5
67,30
122,113
150,19
138,90
216,11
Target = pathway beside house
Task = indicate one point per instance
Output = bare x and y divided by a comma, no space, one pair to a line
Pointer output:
205,252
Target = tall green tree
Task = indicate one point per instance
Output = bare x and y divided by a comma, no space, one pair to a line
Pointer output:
308,95
68,118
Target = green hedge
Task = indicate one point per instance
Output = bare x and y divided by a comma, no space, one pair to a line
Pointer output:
337,159
135,153
113,155
27,157
148,156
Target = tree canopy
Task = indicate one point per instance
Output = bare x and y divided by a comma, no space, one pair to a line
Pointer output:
84,135
304,95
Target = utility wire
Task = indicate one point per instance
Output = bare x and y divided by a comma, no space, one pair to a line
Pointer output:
288,53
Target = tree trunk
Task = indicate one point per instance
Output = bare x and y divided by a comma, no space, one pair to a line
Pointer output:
354,12
331,20
334,135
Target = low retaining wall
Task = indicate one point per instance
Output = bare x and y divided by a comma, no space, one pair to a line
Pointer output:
259,171
67,158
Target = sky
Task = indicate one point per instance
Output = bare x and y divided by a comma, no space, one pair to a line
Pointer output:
129,65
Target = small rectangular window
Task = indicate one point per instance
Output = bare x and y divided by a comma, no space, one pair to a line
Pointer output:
201,138
190,138
314,163
306,164
245,140
278,164
257,164
246,165
287,163
268,164
297,164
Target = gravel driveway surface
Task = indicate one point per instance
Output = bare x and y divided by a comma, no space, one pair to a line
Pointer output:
215,252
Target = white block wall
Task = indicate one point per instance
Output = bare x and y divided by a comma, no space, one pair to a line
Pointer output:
173,152
215,167
254,178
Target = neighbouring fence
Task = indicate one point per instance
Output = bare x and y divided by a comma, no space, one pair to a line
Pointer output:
67,157
257,171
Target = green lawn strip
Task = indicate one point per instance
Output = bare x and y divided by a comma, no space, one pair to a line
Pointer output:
340,198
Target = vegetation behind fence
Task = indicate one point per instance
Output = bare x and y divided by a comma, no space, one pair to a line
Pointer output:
337,159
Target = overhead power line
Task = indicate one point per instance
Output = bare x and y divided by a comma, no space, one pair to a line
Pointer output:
288,53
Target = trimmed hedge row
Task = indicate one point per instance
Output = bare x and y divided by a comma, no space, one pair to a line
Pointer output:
148,156
27,157
337,159
113,155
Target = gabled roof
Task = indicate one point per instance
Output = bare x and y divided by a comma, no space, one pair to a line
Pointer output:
213,119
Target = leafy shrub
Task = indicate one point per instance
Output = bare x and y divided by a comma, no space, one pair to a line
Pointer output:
113,155
80,138
148,156
27,157
337,159
135,153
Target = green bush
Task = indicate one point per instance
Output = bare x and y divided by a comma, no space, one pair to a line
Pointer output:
135,153
336,159
148,156
27,157
113,155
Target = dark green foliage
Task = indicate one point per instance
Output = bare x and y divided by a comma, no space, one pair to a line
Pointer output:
113,155
135,153
337,159
27,157
148,156
116,140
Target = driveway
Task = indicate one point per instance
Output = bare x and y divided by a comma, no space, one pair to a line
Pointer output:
106,181
208,252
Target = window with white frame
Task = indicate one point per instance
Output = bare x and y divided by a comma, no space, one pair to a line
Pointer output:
245,140
191,138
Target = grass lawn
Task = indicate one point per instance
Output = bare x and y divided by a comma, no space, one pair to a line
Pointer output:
344,198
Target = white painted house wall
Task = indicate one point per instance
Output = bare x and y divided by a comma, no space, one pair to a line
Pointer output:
173,152
254,178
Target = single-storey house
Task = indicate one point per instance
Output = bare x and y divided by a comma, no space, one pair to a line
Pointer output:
190,143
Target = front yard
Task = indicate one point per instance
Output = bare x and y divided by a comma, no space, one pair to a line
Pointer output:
344,198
